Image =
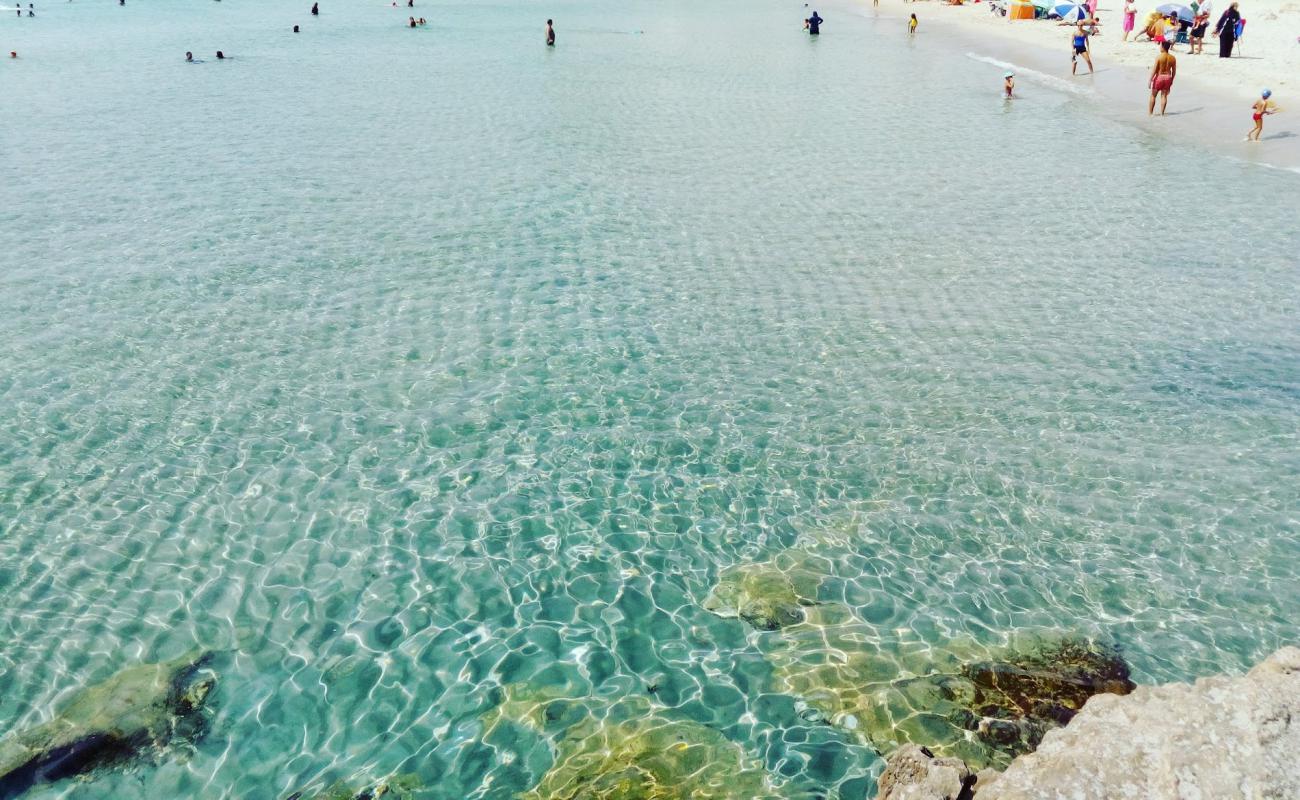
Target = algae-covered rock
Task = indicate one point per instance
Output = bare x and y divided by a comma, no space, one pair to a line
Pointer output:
536,707
398,787
138,712
637,751
984,708
769,595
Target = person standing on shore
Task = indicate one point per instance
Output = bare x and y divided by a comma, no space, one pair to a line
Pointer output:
1130,14
550,34
1196,37
1079,41
1226,30
1162,79
1262,106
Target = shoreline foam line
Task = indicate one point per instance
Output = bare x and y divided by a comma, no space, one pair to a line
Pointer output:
1042,78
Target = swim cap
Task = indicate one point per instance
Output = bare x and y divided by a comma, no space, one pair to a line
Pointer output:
1268,93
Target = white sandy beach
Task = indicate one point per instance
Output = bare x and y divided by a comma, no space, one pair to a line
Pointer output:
1267,56
1211,99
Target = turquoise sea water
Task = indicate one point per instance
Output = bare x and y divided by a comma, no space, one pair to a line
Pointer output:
403,366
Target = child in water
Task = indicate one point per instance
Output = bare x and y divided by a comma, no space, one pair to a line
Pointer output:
911,25
1009,84
1262,106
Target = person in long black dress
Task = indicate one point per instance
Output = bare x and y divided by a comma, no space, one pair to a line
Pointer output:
1226,30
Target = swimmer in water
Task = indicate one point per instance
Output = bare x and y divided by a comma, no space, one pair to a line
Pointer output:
1009,84
315,9
550,34
189,56
31,10
412,22
422,21
13,53
295,29
221,56
813,24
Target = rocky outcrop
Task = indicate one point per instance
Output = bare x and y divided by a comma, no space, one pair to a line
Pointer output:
984,710
1223,738
914,773
138,712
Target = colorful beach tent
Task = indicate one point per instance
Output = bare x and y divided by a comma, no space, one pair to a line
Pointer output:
1022,9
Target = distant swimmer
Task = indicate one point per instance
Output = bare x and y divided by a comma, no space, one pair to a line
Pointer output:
31,10
422,21
1162,78
813,24
13,53
189,56
911,25
412,22
1009,83
295,29
410,3
221,56
315,9
550,34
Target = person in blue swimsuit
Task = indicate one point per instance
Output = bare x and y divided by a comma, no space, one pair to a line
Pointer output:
1080,43
813,24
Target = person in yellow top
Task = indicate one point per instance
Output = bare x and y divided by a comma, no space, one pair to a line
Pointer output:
911,25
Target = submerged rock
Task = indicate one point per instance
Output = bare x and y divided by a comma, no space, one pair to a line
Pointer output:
398,787
636,751
1222,738
769,595
139,712
984,710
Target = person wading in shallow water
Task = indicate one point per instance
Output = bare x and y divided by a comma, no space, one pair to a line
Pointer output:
1162,78
550,34
813,24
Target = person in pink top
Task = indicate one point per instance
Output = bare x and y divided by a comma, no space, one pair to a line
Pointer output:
1130,14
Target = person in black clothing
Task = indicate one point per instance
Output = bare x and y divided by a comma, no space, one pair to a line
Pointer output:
315,9
813,24
550,34
1226,30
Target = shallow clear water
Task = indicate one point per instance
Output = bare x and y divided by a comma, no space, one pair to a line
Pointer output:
407,365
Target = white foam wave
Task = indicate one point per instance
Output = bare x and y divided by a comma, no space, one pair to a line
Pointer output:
1050,81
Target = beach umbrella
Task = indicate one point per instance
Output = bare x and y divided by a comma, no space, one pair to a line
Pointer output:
1072,12
1183,12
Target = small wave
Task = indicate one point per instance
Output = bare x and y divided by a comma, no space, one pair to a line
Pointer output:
1050,81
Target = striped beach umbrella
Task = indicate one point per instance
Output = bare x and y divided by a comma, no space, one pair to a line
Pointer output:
1183,12
1072,12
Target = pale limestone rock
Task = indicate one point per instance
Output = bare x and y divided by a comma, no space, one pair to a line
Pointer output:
913,773
1223,738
